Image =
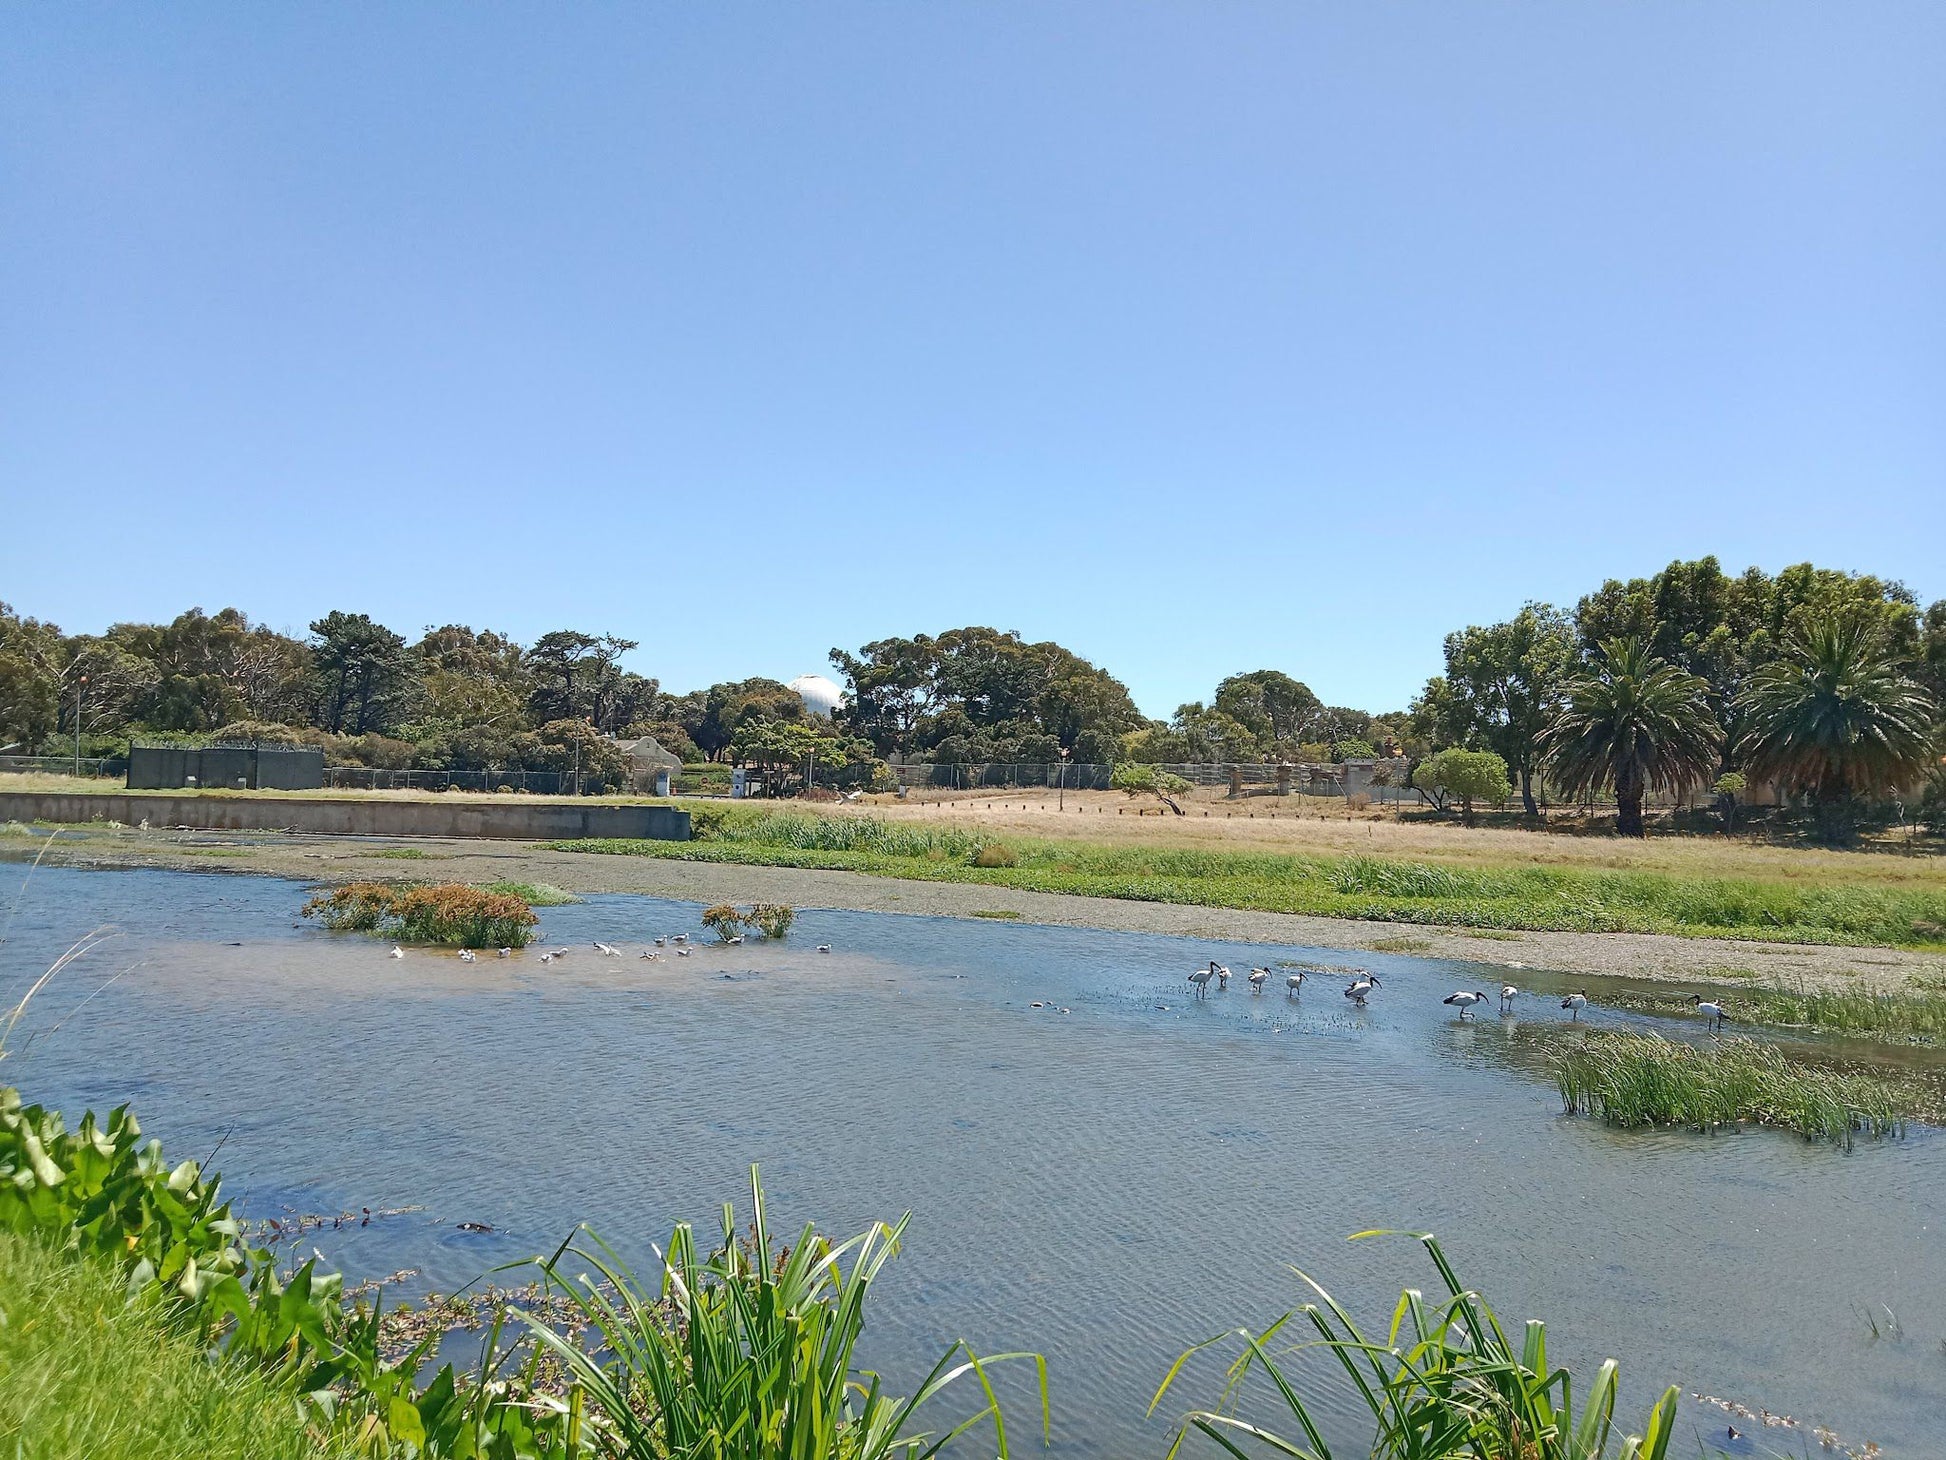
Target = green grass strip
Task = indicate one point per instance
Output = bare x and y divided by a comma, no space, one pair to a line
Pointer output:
1546,899
87,1375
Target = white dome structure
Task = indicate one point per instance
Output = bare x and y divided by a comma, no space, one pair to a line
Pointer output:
821,697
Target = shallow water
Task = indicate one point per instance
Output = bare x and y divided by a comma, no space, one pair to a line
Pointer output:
1106,1185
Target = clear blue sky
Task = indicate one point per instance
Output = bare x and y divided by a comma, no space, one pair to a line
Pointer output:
1199,337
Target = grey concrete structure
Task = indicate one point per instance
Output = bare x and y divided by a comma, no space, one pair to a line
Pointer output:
448,817
226,767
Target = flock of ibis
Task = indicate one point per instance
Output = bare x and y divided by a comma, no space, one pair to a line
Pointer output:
1363,981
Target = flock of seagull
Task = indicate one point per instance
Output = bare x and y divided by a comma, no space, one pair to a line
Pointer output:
676,943
1363,981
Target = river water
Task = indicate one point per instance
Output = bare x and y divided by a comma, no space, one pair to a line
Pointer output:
1105,1179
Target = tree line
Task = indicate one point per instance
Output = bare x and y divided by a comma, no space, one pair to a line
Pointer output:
1709,653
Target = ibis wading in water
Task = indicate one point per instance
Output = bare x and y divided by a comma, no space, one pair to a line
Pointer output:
1712,1013
1258,977
1293,984
1507,995
1361,985
1464,1000
1576,1002
1202,976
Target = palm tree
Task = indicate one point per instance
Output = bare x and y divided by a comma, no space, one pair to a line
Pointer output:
1635,722
1836,718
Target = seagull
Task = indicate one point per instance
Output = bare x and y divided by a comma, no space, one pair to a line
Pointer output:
611,951
397,951
1507,995
506,952
824,947
1713,1014
466,955
1462,1000
660,941
651,954
1201,978
1576,1002
547,958
1258,978
682,953
679,938
733,941
1293,984
1361,985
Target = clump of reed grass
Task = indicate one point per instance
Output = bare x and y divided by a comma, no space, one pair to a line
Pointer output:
996,854
451,913
1634,1080
1444,1383
747,1353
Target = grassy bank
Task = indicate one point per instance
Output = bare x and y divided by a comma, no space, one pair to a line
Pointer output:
1537,898
1917,1017
87,1375
1645,1080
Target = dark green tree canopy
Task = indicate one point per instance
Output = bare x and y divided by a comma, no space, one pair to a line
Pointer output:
1635,722
978,694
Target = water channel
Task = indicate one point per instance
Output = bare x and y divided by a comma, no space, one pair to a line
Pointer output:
1106,1178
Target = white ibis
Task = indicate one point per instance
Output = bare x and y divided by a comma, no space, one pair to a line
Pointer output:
1362,984
1576,1002
1258,978
397,951
1713,1014
1222,975
1464,1000
1201,977
1293,984
1508,993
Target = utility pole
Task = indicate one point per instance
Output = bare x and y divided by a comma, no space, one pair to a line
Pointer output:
80,683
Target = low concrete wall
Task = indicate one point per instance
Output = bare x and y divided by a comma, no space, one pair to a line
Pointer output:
535,821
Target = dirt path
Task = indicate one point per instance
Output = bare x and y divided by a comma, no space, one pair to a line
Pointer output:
329,859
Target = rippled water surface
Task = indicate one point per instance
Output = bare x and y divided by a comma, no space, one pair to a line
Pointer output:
1106,1179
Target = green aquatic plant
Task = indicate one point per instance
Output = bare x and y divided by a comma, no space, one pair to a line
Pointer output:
1442,1383
747,1353
1645,1080
1914,1016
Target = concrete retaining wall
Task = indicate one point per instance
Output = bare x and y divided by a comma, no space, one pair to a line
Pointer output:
535,821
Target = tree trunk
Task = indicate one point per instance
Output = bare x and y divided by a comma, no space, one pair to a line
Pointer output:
1527,791
1466,809
1628,812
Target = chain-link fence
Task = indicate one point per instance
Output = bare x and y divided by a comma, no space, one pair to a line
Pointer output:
64,765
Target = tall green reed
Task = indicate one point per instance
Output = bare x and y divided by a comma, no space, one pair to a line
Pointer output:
1444,1381
747,1353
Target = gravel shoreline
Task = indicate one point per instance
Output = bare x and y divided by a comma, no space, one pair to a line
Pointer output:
1614,955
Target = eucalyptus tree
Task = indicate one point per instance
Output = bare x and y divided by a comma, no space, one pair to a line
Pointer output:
1633,721
1837,718
1502,687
